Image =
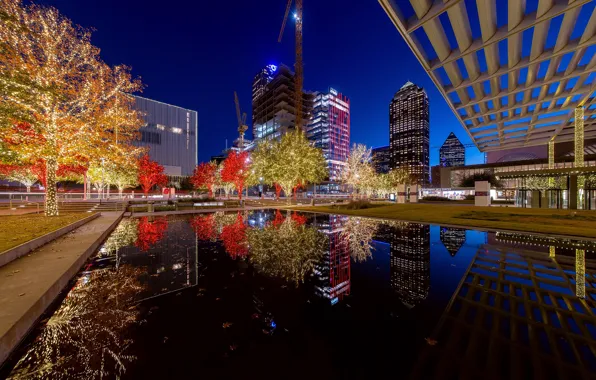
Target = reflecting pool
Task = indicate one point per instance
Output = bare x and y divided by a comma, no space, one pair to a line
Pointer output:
279,294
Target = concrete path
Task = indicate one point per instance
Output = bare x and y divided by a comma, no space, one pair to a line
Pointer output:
31,283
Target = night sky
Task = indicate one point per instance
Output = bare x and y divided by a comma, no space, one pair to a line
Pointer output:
194,54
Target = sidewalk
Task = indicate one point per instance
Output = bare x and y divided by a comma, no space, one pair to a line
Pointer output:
30,284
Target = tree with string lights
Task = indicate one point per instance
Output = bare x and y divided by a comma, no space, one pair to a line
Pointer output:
205,176
150,174
63,101
236,170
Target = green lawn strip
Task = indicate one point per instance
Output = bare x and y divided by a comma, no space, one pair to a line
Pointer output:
546,221
18,229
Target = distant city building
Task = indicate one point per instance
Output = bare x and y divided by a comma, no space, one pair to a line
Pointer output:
410,263
273,104
409,131
218,159
453,239
435,176
333,271
329,129
381,157
453,152
170,133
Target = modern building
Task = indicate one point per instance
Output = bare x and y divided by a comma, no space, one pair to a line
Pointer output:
409,132
511,92
452,238
381,158
452,152
333,271
170,133
410,262
273,104
329,129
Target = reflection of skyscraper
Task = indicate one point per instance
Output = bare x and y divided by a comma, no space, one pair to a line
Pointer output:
410,262
334,270
453,239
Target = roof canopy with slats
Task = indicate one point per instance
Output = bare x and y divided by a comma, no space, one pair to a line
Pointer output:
512,71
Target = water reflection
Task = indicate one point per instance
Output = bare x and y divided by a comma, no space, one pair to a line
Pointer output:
410,262
286,248
87,336
245,286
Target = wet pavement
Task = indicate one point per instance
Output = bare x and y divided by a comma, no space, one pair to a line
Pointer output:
278,294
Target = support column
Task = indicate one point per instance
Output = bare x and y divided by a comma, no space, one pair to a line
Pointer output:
573,192
535,198
401,193
414,193
482,193
579,136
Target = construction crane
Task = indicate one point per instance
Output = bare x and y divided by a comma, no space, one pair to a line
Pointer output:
242,127
299,75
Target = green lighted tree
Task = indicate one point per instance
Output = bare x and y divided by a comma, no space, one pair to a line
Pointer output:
290,162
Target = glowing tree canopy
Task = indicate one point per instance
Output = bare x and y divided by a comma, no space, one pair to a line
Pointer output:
236,170
123,176
290,162
358,171
23,174
64,102
150,174
150,232
205,176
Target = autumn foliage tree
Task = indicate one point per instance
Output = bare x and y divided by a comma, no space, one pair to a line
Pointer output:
150,174
236,170
205,176
63,102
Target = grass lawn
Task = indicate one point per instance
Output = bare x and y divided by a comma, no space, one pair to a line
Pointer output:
547,221
18,229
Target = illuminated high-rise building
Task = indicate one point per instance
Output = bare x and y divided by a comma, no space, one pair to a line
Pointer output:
453,238
410,262
409,131
273,103
452,152
329,129
333,271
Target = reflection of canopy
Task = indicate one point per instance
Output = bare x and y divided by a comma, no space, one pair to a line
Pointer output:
288,250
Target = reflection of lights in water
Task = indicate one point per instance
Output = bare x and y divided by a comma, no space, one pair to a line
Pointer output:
580,273
176,266
551,251
84,337
359,233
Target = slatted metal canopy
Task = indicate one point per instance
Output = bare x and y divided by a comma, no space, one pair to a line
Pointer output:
513,71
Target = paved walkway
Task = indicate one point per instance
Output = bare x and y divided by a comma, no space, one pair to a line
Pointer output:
31,283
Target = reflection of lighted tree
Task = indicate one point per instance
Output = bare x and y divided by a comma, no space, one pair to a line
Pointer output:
125,234
204,226
289,250
358,233
84,337
150,232
233,236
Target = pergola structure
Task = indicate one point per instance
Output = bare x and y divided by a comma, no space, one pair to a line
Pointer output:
514,73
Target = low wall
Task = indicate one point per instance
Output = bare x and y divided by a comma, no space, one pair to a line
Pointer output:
23,249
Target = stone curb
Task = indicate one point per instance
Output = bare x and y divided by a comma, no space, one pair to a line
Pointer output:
19,331
23,249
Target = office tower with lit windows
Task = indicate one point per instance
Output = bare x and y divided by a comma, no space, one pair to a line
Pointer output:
410,262
329,129
409,131
452,238
273,103
452,152
381,157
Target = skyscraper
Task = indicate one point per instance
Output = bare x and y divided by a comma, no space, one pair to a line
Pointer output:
409,131
452,238
329,129
273,102
381,157
452,153
410,262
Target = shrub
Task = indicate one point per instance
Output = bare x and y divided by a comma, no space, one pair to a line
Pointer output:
165,208
436,198
358,204
470,197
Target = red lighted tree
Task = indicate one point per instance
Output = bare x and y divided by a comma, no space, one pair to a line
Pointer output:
204,175
150,232
235,170
234,238
150,174
204,227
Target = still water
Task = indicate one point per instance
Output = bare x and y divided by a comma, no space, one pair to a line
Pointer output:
275,294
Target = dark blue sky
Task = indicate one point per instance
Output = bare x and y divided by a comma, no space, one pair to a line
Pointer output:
194,54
